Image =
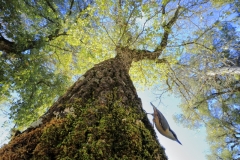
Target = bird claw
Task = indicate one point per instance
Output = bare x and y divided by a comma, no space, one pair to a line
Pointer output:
153,123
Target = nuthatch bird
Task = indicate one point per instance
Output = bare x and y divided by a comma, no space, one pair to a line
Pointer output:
162,125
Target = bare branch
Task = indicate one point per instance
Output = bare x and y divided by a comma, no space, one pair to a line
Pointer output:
143,28
144,54
126,24
109,35
233,70
194,42
167,30
215,95
70,8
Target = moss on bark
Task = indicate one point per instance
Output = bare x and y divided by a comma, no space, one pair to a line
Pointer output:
99,117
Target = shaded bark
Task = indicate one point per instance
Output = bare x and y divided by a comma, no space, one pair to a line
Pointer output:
99,117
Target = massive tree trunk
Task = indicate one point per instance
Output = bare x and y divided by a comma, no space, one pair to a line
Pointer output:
99,117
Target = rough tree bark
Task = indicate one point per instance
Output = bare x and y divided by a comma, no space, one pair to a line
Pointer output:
99,117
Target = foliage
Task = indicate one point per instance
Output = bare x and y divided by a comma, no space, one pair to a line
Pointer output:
45,46
212,99
34,72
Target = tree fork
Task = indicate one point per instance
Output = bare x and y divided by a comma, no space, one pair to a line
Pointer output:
99,117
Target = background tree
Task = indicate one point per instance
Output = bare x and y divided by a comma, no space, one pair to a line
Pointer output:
206,77
146,39
30,80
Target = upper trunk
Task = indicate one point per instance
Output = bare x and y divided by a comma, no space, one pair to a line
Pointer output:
99,117
125,57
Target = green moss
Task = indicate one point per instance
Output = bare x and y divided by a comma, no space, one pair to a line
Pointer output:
98,132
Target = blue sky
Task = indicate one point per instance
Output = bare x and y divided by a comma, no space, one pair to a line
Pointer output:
194,145
4,131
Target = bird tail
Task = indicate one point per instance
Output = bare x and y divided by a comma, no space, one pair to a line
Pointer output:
179,141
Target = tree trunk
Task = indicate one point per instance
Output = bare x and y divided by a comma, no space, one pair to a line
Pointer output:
99,117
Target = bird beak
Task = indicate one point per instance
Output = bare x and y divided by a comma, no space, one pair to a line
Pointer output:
154,108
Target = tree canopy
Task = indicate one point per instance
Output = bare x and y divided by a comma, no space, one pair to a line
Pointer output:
187,48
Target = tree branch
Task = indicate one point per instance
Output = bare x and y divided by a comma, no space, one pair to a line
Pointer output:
194,42
145,54
144,25
126,24
224,70
70,8
6,45
167,30
214,95
14,48
51,6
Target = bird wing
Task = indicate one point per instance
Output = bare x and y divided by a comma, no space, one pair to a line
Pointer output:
162,119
